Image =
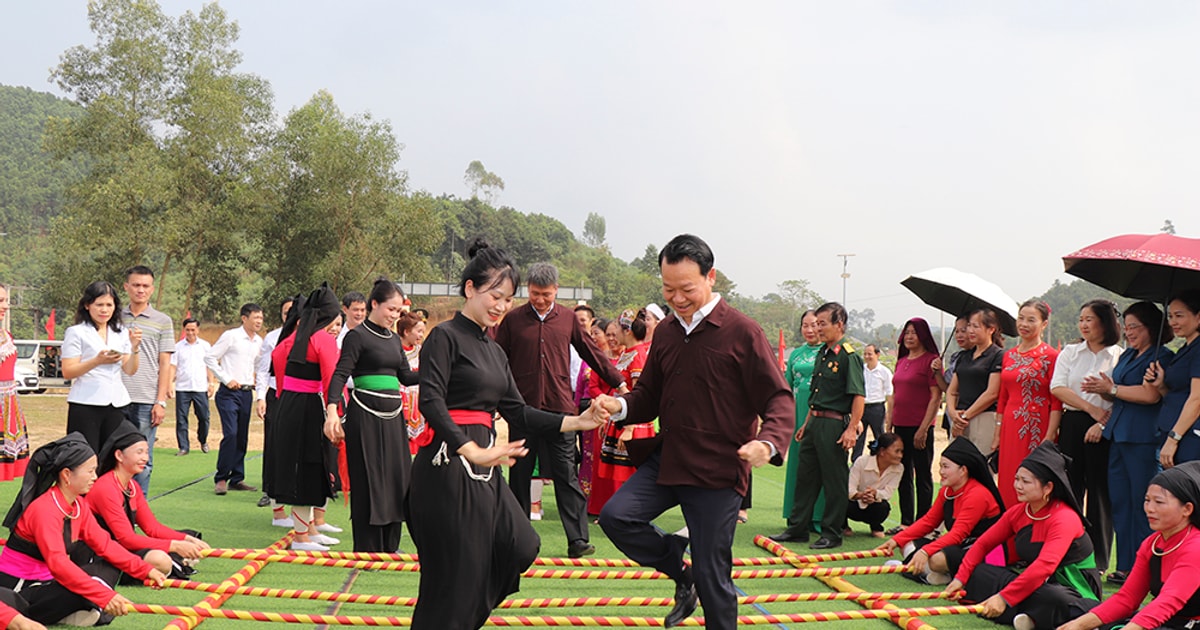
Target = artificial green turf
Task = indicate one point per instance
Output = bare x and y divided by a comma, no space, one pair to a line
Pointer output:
234,521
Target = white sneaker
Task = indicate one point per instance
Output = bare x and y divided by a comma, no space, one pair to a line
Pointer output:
326,527
535,516
308,546
83,618
323,539
283,522
1023,622
934,578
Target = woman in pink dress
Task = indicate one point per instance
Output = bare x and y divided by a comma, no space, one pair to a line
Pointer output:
614,465
1027,414
14,445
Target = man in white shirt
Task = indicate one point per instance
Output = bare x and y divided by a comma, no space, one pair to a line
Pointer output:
232,360
878,379
193,386
354,312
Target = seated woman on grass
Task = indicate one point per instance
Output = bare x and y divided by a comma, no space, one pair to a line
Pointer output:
118,504
57,557
1059,580
1167,563
968,504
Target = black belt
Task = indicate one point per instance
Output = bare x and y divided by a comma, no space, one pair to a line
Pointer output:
874,404
239,388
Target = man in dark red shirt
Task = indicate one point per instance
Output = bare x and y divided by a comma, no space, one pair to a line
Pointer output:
538,338
710,377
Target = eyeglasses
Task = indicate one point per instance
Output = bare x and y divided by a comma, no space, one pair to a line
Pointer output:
1131,327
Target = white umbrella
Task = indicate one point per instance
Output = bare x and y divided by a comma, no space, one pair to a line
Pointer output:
958,293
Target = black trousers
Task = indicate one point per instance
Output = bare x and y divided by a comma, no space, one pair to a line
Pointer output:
918,469
94,422
711,517
50,601
874,415
874,514
1089,480
1050,606
557,462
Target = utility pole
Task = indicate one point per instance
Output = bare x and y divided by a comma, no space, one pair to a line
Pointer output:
845,276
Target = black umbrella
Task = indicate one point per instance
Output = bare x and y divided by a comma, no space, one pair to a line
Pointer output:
959,293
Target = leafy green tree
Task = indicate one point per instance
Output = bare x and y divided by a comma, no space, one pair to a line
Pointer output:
594,230
1168,227
339,209
479,179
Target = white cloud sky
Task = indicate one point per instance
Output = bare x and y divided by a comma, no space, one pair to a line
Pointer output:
993,137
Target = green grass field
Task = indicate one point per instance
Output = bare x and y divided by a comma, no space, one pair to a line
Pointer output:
182,496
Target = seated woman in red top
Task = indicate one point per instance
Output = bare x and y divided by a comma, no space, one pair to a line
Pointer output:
118,504
1167,563
57,556
1059,580
968,504
10,613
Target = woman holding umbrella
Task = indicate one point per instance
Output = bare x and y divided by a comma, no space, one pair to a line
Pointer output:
1132,460
1178,380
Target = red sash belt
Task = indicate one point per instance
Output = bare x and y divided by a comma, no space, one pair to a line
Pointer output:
301,385
467,416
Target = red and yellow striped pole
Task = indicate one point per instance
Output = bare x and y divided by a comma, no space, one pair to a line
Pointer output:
273,556
237,579
197,612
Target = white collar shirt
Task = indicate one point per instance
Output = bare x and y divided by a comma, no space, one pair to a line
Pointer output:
232,357
101,385
1076,362
699,315
878,382
191,375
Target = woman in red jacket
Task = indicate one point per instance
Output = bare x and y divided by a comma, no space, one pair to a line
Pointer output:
118,504
57,556
968,504
1059,580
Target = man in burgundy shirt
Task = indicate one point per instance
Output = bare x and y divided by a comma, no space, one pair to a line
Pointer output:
538,338
710,377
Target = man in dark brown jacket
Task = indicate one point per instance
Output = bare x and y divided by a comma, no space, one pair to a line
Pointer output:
538,338
710,377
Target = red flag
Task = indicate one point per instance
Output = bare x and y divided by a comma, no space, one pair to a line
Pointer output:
781,349
50,324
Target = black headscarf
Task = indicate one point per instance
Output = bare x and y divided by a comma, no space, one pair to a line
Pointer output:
1183,481
964,453
123,437
42,471
1047,463
291,318
321,307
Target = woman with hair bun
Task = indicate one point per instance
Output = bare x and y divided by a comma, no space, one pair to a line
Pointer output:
1027,413
375,431
873,478
473,537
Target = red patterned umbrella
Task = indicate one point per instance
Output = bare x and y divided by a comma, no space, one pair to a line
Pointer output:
1139,266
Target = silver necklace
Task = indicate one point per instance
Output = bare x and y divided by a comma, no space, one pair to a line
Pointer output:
387,336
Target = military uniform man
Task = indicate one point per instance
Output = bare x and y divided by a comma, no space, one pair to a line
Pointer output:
833,424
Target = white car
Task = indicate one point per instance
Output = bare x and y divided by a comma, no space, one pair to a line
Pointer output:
27,380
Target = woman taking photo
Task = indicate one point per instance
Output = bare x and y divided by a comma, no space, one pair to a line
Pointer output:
1178,380
1084,416
971,399
473,537
798,374
57,556
94,353
377,447
1168,562
1027,413
967,505
914,408
118,505
1059,580
1131,430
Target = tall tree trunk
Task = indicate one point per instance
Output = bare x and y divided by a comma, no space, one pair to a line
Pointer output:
162,284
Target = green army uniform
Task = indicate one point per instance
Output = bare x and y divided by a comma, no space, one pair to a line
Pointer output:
837,378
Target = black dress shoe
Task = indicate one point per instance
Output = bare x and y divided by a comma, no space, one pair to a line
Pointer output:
580,548
826,543
685,603
242,486
264,500
787,536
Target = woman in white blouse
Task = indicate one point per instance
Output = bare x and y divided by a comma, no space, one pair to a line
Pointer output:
1084,416
94,353
873,478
